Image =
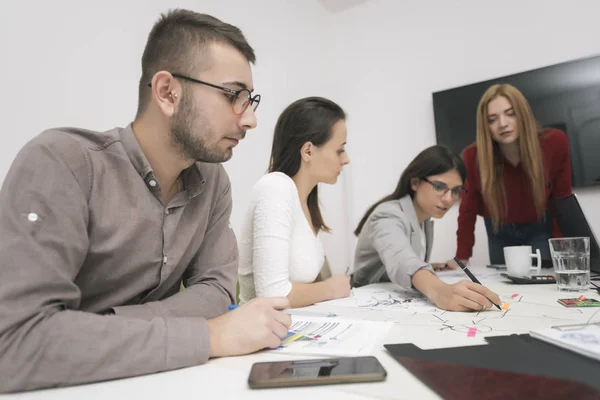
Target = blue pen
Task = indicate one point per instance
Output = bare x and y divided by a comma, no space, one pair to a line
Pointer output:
294,312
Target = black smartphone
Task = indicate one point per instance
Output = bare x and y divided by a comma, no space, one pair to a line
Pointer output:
497,266
316,372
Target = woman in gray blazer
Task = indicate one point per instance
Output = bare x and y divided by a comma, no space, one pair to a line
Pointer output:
395,236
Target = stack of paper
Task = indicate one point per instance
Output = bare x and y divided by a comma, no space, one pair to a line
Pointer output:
583,339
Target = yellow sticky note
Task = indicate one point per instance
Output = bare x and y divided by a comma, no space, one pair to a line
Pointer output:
505,306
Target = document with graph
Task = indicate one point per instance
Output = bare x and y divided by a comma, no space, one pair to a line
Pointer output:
333,336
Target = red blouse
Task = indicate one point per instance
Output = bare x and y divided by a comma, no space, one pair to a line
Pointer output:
519,199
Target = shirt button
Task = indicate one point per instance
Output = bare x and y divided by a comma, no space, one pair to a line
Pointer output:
167,211
152,183
164,259
32,217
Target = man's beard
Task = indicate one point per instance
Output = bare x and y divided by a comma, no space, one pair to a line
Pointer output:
194,147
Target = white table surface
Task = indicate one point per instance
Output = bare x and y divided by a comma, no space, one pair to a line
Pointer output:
227,377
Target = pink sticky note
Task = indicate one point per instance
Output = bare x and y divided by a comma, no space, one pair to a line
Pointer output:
472,332
514,296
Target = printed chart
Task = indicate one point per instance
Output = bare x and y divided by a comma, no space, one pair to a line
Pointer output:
329,336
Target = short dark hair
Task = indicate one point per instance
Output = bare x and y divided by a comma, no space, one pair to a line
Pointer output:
306,120
434,160
175,41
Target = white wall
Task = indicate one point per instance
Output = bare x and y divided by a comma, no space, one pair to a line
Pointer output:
77,63
71,63
391,55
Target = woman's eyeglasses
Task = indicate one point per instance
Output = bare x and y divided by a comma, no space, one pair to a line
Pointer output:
441,188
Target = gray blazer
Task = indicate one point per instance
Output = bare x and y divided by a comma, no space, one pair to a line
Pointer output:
389,244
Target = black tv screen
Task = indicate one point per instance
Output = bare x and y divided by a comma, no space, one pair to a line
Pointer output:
564,96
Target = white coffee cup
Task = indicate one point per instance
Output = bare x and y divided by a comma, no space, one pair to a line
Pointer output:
518,260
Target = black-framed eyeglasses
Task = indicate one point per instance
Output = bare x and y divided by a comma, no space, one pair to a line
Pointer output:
441,189
240,99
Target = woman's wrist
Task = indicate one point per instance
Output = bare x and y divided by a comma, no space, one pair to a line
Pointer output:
427,283
326,288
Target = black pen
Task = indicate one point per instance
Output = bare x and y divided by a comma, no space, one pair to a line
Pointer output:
470,275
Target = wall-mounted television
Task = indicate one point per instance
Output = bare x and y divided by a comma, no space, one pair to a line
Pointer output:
565,96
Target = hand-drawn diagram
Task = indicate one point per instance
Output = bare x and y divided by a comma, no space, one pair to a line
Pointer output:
384,297
397,298
418,319
522,313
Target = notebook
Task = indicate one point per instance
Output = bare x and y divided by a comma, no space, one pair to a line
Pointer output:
490,384
508,367
582,338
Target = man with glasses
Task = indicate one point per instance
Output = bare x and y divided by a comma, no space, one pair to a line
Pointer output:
99,230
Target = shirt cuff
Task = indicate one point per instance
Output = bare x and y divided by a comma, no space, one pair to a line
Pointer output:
188,342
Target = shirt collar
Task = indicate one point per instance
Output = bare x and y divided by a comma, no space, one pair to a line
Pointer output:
134,151
407,205
193,180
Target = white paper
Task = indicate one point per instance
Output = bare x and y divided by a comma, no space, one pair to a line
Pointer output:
333,336
458,275
420,322
384,296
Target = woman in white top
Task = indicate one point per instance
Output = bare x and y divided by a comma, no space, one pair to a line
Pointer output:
280,250
395,236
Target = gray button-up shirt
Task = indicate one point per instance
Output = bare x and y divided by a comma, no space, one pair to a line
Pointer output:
83,230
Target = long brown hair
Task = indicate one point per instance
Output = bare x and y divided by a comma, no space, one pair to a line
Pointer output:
489,157
434,160
305,120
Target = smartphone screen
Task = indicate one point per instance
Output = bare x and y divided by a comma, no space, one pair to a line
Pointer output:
316,372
